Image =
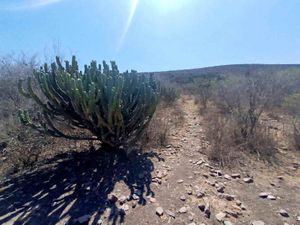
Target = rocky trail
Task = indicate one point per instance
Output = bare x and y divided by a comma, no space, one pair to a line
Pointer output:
179,186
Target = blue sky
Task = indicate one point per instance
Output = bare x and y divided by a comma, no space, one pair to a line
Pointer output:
154,35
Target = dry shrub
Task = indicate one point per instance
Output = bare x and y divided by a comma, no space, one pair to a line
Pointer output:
164,120
220,133
296,135
229,147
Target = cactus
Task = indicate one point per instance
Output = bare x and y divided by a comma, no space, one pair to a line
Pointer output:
115,107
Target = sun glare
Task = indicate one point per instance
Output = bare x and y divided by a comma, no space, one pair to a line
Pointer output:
134,4
169,5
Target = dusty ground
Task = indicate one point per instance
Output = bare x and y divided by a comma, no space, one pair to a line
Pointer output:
179,179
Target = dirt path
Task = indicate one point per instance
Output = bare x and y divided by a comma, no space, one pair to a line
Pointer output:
188,188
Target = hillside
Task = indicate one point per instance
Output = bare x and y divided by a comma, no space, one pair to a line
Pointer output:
184,76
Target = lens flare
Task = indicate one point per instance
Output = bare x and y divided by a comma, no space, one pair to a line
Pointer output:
133,8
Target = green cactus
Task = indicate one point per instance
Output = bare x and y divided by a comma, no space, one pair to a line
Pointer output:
115,107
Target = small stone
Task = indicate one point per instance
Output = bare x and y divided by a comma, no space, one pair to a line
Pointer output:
113,198
236,175
122,199
227,222
227,197
220,216
238,203
271,197
180,181
264,194
221,189
125,207
200,194
201,207
134,204
152,200
170,213
189,191
248,180
283,213
298,218
193,223
159,211
243,207
168,146
258,222
227,177
159,174
183,210
280,177
191,218
182,198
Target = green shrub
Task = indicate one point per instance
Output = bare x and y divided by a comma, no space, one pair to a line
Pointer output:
115,107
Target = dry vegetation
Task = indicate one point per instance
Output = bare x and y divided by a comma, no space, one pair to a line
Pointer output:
233,106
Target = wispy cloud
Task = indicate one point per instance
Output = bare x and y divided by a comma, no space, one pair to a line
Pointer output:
13,5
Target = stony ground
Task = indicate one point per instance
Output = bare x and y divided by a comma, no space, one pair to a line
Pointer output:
178,186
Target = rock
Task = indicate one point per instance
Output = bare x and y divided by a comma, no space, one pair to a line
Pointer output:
235,175
180,181
170,213
298,218
227,177
201,207
248,180
113,198
227,222
159,174
263,194
207,207
159,211
200,194
243,207
220,216
168,146
221,189
152,200
122,199
125,207
191,218
134,204
238,203
271,197
283,213
83,219
182,198
228,197
258,222
200,162
183,210
193,223
189,191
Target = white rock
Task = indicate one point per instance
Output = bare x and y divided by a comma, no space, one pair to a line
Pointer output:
248,180
159,211
227,223
283,213
183,210
220,216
